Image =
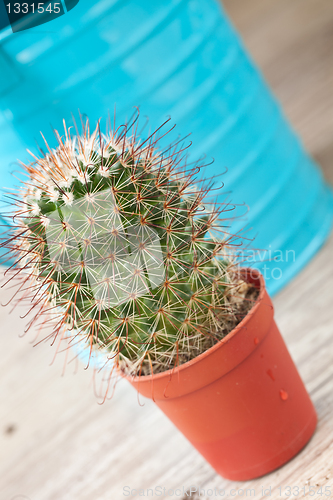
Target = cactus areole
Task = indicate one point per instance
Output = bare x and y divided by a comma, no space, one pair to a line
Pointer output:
121,249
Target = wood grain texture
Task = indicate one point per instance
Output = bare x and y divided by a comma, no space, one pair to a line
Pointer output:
57,443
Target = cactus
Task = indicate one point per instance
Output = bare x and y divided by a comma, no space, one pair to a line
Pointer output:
116,246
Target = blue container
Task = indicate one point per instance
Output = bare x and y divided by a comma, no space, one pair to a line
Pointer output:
180,58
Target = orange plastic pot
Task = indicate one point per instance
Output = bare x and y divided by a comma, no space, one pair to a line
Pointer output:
242,403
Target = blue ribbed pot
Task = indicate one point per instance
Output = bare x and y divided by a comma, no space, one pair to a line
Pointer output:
180,58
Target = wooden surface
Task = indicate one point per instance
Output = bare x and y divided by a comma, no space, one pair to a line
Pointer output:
57,443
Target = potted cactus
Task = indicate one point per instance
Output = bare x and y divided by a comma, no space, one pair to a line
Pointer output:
120,250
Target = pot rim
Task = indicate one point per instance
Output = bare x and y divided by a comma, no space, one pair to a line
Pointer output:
257,279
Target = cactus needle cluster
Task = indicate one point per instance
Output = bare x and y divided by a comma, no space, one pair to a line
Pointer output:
116,246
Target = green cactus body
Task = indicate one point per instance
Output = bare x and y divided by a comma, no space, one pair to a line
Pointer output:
114,237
